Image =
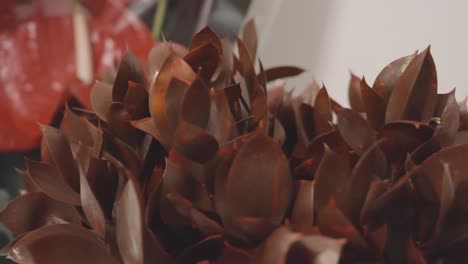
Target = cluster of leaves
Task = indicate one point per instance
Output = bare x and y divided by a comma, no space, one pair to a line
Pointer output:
206,166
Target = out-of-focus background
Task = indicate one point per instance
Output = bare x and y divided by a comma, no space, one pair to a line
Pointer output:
330,39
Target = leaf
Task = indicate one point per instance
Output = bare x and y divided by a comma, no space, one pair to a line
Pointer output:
60,156
280,72
316,248
249,37
371,165
136,100
198,219
450,121
101,99
221,123
129,70
204,60
388,78
160,52
370,215
232,255
258,109
355,95
173,66
415,95
204,36
63,243
333,223
34,210
330,179
119,124
322,112
91,207
259,183
48,180
374,105
130,227
174,99
196,104
302,216
402,137
77,129
247,70
204,249
355,130
195,143
103,183
275,248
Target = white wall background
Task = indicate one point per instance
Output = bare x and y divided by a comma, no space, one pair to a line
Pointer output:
331,37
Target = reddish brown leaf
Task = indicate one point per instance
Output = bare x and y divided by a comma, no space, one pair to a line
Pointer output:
374,105
174,99
173,66
34,210
204,60
129,70
48,180
281,72
355,95
233,255
58,154
415,95
197,219
247,70
204,36
130,225
302,216
91,207
202,250
450,121
101,99
331,179
159,54
333,223
390,75
322,112
196,104
355,130
195,143
221,123
249,37
370,216
371,165
63,243
136,100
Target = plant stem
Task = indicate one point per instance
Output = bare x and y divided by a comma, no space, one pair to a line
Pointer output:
158,19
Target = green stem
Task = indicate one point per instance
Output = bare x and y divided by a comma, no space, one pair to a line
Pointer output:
158,19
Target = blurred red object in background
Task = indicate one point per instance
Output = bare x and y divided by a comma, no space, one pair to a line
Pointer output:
37,54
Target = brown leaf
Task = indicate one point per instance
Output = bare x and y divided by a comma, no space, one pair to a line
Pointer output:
247,70
322,112
259,183
48,180
174,99
63,243
202,250
136,100
129,70
103,183
371,165
197,219
204,36
221,123
280,72
355,95
196,104
101,99
173,66
59,155
331,179
194,142
388,78
249,37
147,125
130,225
159,54
302,216
402,137
415,95
333,223
232,255
374,106
258,108
34,210
355,130
275,248
450,121
90,204
370,216
204,60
